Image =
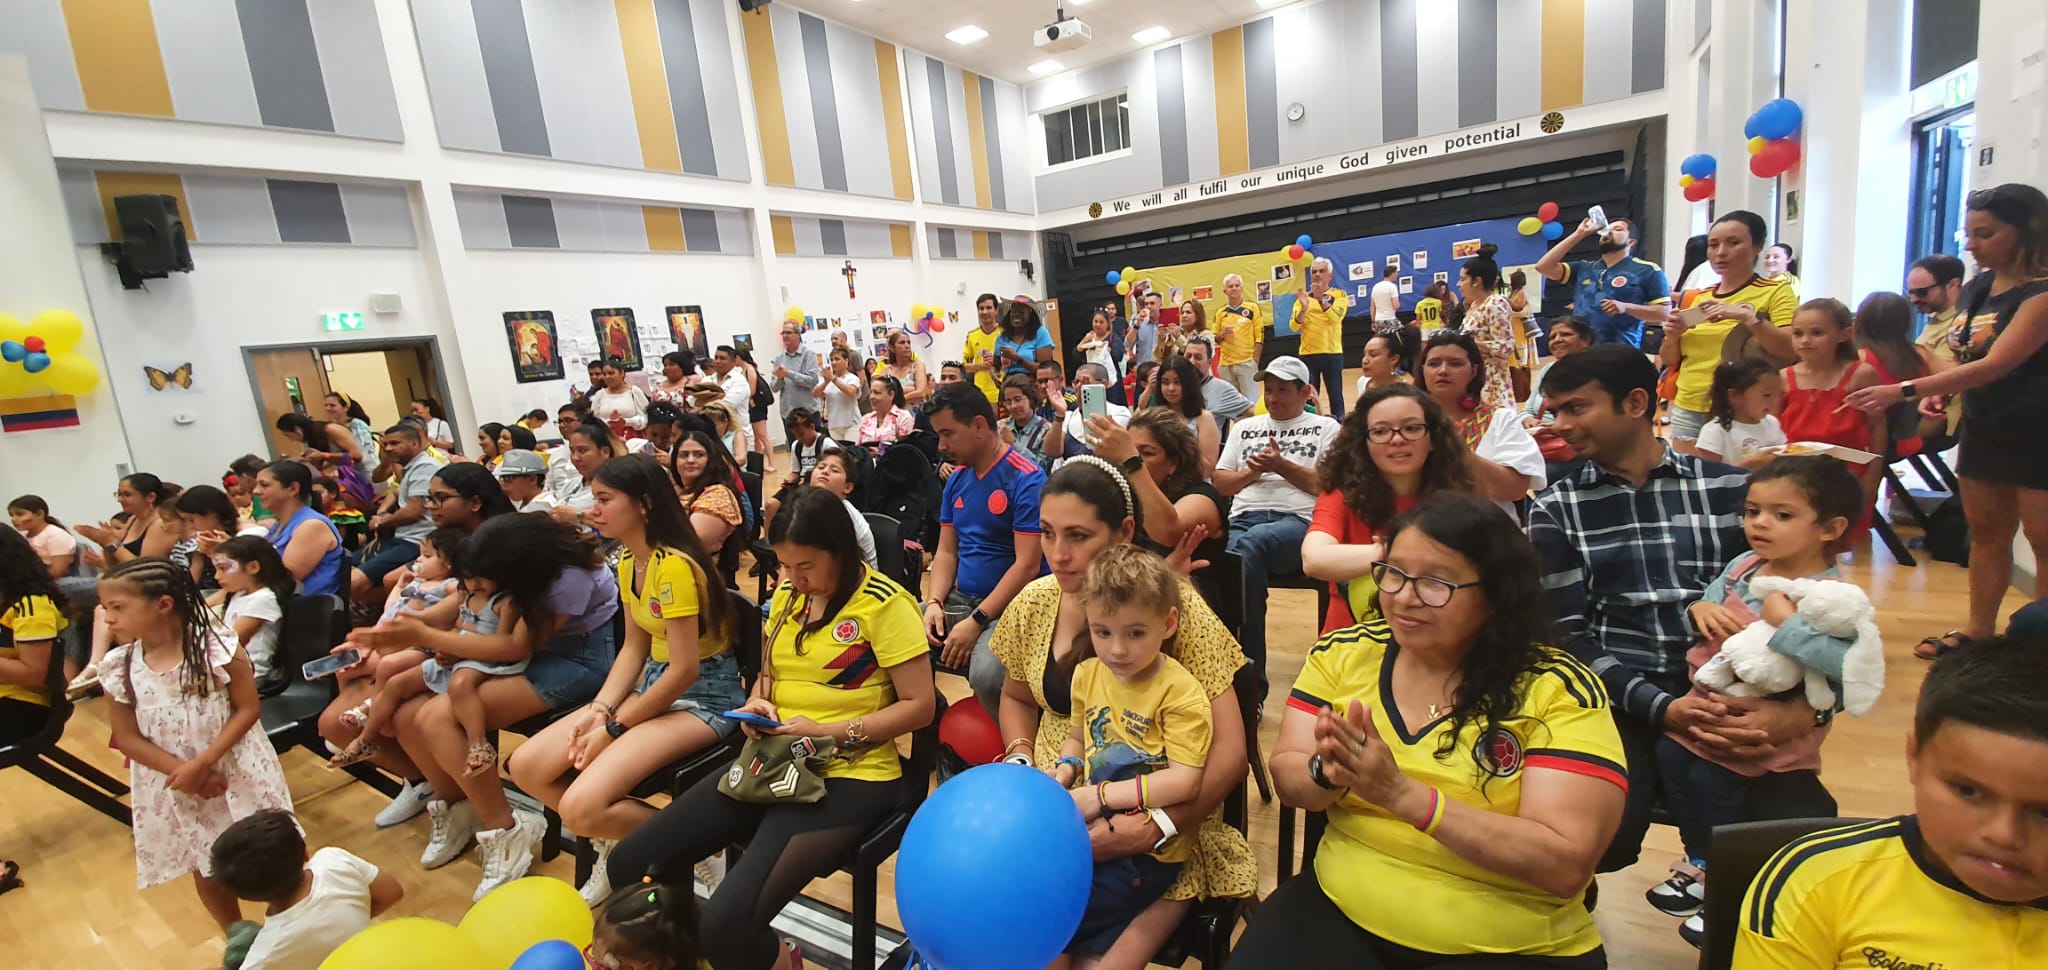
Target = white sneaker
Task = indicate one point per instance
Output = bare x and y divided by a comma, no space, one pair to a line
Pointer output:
711,872
410,801
508,852
599,885
454,828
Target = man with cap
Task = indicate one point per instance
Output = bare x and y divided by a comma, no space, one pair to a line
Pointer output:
1616,292
523,475
1268,467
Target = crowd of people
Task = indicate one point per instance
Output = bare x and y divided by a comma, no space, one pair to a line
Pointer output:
1535,607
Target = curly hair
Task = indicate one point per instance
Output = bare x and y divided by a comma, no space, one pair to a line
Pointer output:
1170,431
1348,468
1513,637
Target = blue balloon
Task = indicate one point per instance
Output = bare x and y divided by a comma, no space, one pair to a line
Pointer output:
1304,241
994,871
1115,277
1778,118
550,955
1697,166
1552,231
1750,126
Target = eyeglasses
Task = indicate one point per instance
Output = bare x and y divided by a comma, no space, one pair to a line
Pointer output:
1381,434
436,498
1433,592
1919,292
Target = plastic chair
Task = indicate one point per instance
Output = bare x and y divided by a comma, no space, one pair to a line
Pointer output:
312,627
892,554
1222,586
42,757
1735,855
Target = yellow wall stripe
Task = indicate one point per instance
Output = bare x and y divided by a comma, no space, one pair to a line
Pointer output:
888,67
664,228
1564,53
768,112
120,66
113,184
647,84
980,244
899,240
784,232
977,139
1233,143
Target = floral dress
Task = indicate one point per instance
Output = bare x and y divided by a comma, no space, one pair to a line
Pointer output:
1221,865
1492,325
174,832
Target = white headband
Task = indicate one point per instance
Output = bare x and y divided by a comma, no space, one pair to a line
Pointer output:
1115,474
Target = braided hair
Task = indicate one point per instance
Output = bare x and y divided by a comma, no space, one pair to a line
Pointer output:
154,577
651,922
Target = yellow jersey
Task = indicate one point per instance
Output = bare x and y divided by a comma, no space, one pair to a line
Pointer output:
1429,314
32,618
1774,299
1322,330
1871,895
839,671
669,590
1405,886
979,342
1246,333
1132,729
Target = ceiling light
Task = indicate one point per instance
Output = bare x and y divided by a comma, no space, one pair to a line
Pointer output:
1151,35
969,34
1080,3
1270,4
1047,66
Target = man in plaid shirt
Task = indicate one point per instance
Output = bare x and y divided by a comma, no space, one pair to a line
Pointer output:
1629,541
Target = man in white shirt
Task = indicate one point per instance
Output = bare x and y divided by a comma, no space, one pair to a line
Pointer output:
1386,300
732,379
1269,468
1088,375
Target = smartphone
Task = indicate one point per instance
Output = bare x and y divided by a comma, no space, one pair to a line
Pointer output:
1094,401
1692,316
753,719
328,665
1598,217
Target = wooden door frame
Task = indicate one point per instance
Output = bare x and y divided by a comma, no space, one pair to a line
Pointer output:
432,345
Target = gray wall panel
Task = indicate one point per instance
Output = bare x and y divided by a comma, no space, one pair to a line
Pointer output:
1173,118
1520,87
1436,40
700,231
869,239
1478,62
81,194
1646,47
941,115
735,236
237,209
378,215
949,245
963,155
625,227
722,84
796,97
832,237
857,87
675,22
309,212
35,27
607,100
992,135
1261,93
924,150
456,84
284,64
579,224
1018,129
561,64
530,221
204,61
1399,70
353,66
817,63
1608,34
482,218
508,70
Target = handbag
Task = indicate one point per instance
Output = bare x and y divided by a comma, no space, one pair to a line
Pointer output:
776,769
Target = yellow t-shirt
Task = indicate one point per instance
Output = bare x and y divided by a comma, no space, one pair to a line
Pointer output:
32,618
1429,314
977,342
669,590
841,672
1407,887
1322,331
1241,347
1133,729
1870,895
1701,345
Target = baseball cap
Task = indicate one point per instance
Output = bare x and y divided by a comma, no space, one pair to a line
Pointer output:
1285,368
520,461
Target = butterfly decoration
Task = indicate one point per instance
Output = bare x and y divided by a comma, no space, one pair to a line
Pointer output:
160,380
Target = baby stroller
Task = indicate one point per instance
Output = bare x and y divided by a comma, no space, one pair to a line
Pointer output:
905,487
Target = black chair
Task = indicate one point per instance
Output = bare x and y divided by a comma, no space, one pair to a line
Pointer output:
42,757
892,556
312,627
1311,835
1222,586
1205,932
1735,855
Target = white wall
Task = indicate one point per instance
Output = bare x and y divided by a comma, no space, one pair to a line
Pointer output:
73,468
236,297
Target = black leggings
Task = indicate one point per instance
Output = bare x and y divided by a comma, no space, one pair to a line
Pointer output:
1298,926
787,847
20,719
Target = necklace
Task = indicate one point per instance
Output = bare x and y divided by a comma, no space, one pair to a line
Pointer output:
1436,712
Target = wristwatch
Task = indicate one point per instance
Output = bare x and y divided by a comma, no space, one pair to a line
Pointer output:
615,729
1315,773
1167,833
1133,465
980,619
1908,391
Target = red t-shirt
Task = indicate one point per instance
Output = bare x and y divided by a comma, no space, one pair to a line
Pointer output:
1334,518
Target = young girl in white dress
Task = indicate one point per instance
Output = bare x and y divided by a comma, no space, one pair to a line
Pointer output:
184,707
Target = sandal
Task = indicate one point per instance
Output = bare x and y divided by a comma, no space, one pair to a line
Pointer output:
482,758
1933,648
361,749
10,876
354,717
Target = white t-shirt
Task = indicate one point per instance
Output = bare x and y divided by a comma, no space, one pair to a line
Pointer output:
842,410
1386,302
53,542
539,503
261,604
862,532
1078,432
438,430
1301,440
1508,444
1740,442
736,393
337,907
565,482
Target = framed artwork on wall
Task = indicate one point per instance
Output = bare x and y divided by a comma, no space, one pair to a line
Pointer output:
686,330
616,336
536,348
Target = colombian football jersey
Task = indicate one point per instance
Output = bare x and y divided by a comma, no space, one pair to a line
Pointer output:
978,342
1407,887
1774,299
668,591
30,619
1132,729
1239,347
1871,895
986,513
838,671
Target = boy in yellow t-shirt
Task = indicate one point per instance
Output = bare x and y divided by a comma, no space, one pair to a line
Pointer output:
1141,733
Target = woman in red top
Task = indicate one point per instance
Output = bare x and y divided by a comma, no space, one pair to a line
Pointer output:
1395,448
1817,386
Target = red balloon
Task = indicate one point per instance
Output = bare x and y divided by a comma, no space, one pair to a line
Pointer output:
1761,167
1547,212
971,733
1700,190
1780,156
1295,252
938,325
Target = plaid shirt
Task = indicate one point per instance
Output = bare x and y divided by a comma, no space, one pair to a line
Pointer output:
1622,563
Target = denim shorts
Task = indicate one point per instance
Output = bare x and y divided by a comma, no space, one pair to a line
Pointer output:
1122,889
1686,423
437,675
391,554
716,691
569,669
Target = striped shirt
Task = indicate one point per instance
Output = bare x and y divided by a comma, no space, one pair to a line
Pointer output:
1623,562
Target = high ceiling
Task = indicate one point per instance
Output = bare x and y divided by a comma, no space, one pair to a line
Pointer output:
1008,52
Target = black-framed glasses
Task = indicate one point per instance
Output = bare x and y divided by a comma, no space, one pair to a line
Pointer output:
1433,592
436,498
1381,434
1919,292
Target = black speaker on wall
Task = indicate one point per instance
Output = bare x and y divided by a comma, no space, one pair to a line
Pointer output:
748,6
153,235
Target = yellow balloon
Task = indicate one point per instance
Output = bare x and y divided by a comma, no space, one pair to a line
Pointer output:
1756,144
12,329
1685,181
524,912
409,944
793,313
60,329
1123,289
1129,272
70,374
1529,226
917,311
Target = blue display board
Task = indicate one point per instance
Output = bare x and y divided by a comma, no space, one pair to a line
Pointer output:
1358,263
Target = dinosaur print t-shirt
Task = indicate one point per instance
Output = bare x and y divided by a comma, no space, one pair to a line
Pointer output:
1137,728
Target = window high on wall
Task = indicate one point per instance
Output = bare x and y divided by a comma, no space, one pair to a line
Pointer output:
1086,130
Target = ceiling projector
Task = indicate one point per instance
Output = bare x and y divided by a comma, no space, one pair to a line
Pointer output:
1062,35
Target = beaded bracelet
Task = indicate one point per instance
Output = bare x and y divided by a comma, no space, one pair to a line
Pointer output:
1435,816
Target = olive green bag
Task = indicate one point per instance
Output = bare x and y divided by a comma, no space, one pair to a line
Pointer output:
777,769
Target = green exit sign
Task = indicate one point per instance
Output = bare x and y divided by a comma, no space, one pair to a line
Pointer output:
342,321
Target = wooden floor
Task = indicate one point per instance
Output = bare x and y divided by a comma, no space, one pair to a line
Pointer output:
81,908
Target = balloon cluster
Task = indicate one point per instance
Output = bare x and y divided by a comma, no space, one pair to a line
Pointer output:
1696,177
926,320
793,313
1121,279
36,358
1302,248
535,923
1773,133
1544,221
